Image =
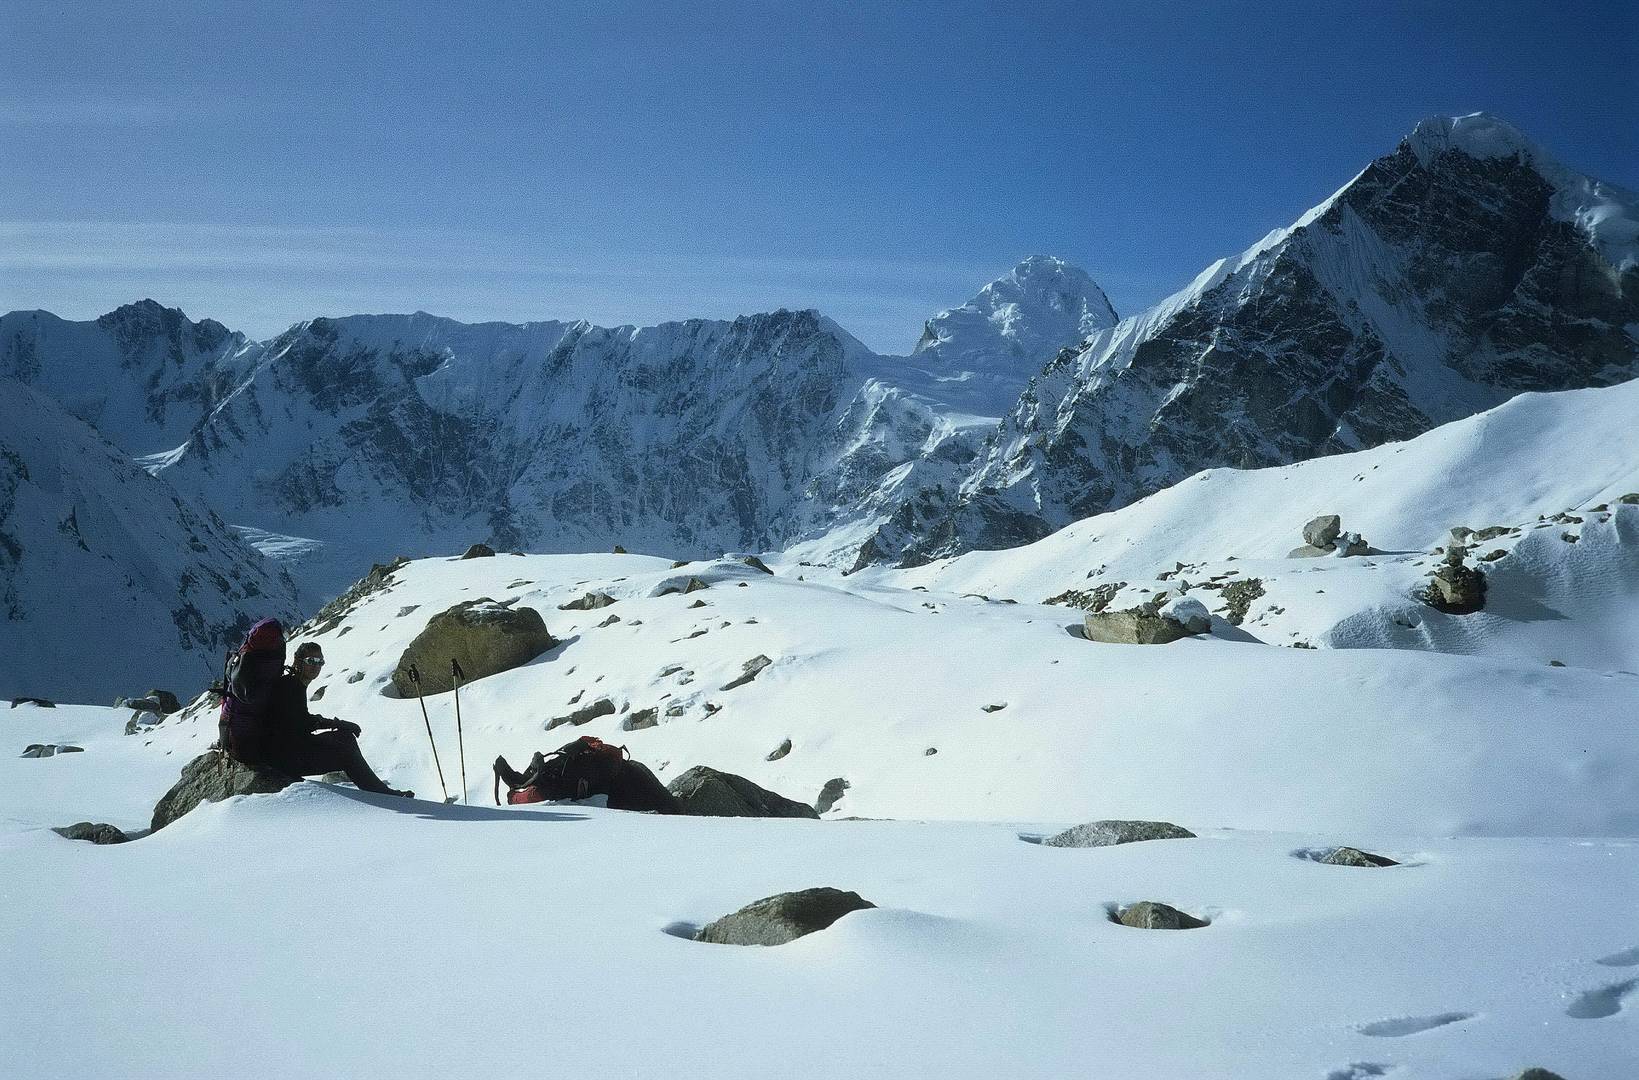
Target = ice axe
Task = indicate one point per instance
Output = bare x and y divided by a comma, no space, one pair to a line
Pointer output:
415,677
456,675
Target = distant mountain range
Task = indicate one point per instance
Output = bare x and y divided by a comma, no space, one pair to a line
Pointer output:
1462,268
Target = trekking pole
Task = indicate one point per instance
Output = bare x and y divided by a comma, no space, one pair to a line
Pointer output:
456,675
415,677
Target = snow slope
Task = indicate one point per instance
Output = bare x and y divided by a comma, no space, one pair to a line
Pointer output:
1539,455
110,581
391,937
342,916
865,680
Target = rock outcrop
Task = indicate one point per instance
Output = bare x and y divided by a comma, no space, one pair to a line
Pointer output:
583,715
485,637
831,793
96,832
590,602
212,777
1348,856
785,917
748,671
1455,588
1150,915
706,792
1111,832
1132,626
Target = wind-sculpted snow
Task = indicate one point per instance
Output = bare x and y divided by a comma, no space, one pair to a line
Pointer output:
111,581
1445,278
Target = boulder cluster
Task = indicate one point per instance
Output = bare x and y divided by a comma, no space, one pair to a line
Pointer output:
1324,535
1455,588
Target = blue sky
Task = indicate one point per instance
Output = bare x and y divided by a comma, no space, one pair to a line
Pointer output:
639,162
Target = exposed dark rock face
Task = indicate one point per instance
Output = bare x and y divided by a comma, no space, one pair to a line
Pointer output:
705,792
479,551
483,636
166,700
785,917
212,777
1443,280
1111,832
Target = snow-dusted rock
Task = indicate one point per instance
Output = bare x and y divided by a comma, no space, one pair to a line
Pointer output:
1188,612
583,715
1348,856
1132,626
94,831
1150,915
784,917
1110,832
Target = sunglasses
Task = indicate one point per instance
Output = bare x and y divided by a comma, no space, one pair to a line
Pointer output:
313,661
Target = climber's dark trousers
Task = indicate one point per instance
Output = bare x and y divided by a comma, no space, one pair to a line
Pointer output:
322,752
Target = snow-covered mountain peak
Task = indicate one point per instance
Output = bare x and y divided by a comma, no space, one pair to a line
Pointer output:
1606,213
1478,134
1029,313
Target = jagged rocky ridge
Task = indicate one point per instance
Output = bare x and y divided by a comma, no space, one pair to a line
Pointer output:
1463,268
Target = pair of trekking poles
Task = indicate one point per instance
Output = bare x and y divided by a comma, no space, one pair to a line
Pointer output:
456,675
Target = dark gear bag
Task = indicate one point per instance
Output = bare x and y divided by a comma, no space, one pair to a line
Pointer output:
580,769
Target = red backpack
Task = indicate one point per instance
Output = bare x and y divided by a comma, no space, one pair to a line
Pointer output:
248,676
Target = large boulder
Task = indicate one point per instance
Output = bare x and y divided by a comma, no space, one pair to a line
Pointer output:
479,551
1132,626
97,832
1112,832
785,917
1150,915
1322,531
39,702
484,636
141,704
706,792
212,777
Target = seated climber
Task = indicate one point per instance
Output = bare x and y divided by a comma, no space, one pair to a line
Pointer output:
283,735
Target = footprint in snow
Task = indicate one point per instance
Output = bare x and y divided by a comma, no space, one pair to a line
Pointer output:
1603,1002
1401,1026
1625,958
1359,1070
